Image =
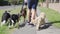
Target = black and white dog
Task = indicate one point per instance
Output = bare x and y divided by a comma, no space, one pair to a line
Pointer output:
5,17
13,19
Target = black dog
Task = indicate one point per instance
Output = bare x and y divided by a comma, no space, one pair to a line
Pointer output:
23,13
5,17
14,18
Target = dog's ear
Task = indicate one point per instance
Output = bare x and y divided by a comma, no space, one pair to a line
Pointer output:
9,11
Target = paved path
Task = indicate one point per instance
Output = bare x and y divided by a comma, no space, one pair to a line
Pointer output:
10,7
27,29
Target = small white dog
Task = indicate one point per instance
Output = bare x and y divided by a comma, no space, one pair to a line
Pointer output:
39,20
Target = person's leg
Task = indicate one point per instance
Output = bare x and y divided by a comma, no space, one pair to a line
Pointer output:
34,6
29,15
29,4
33,15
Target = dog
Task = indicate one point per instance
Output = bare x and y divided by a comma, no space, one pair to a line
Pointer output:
5,17
13,19
24,9
23,13
40,20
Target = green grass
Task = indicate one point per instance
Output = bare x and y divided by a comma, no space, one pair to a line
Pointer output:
52,15
5,29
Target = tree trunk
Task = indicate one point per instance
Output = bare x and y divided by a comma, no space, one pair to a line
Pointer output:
54,1
47,3
59,1
51,1
42,4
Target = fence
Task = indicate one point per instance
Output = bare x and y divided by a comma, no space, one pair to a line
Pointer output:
55,6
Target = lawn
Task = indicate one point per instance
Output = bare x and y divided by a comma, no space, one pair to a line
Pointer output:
5,29
52,15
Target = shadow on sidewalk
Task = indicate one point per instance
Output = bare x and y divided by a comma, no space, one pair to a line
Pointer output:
22,25
47,25
54,22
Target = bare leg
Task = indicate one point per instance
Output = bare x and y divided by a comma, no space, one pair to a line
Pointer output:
29,15
33,15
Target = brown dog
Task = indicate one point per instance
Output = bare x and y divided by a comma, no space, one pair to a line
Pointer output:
23,13
39,20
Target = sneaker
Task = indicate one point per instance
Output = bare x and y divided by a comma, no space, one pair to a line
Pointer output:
31,24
